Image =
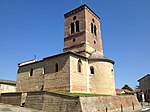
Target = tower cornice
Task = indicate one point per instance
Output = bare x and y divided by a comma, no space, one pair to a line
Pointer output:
82,7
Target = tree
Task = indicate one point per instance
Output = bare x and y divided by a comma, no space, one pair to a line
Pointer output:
127,87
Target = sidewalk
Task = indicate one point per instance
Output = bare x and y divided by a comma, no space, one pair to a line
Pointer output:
13,108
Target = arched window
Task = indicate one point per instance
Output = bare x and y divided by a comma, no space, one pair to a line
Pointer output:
31,72
92,70
95,30
72,28
77,26
91,27
56,67
79,66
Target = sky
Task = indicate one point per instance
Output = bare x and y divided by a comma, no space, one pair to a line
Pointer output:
36,27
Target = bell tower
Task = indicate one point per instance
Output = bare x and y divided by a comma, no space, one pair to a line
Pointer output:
82,31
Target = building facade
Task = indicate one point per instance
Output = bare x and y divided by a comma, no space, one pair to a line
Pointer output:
82,67
144,83
7,86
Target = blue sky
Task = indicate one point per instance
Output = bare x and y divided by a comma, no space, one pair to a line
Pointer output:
36,27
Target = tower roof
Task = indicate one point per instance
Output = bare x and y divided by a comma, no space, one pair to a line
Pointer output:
99,56
82,7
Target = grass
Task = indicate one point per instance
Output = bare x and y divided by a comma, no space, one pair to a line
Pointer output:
81,94
124,94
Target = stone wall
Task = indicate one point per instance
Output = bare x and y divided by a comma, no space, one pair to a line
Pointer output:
61,103
102,81
45,76
53,102
35,100
10,98
109,103
25,82
78,80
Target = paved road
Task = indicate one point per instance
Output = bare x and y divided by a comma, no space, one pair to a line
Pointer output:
143,110
10,108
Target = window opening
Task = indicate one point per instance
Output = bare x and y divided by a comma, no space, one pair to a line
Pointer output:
92,70
79,66
74,40
0,87
7,87
77,26
94,42
74,18
91,27
72,28
93,20
56,67
31,72
95,30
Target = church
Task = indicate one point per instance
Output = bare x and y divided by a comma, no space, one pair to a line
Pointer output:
80,68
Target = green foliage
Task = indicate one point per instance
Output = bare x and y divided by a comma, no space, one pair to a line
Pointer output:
127,87
81,94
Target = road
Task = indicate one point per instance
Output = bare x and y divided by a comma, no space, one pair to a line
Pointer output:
12,108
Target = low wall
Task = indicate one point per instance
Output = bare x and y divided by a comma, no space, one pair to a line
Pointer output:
35,100
109,103
52,102
11,98
61,103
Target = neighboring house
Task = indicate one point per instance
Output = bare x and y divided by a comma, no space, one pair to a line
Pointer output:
82,67
144,83
7,86
123,91
138,94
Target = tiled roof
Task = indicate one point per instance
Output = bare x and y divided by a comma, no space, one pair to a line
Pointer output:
125,91
10,82
148,75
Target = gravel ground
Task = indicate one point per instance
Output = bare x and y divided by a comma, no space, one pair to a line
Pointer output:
12,108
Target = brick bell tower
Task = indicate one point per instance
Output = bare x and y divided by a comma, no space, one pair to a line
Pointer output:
82,31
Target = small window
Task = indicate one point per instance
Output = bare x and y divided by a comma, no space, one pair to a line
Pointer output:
56,67
79,65
74,18
14,87
94,42
77,26
95,30
0,87
7,87
91,27
74,40
72,28
93,20
92,70
31,72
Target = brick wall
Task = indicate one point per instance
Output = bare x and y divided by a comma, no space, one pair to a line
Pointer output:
53,102
57,80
